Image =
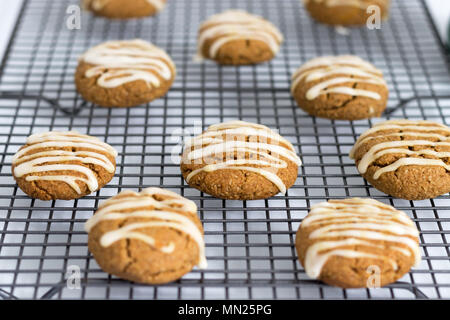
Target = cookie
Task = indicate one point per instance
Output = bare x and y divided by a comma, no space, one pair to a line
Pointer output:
235,37
123,9
63,165
340,87
149,237
239,160
357,243
405,159
347,12
124,73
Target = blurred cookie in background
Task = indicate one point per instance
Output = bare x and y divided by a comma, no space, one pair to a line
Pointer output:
123,9
235,37
346,12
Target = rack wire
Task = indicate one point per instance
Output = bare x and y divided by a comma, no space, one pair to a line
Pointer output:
249,244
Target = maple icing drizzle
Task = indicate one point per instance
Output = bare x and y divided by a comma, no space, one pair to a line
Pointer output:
334,71
119,62
31,159
235,25
129,204
221,140
420,130
357,222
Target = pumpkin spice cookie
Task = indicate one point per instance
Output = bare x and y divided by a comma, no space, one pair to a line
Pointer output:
150,237
124,73
346,12
235,37
123,9
238,160
63,165
340,87
405,159
357,243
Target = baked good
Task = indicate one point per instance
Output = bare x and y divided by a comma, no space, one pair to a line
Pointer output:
63,165
346,12
152,237
405,159
235,37
123,9
124,73
239,160
357,243
340,87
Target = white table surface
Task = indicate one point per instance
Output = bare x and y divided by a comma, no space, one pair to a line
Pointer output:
8,14
440,10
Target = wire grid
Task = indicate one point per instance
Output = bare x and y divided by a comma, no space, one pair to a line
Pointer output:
249,244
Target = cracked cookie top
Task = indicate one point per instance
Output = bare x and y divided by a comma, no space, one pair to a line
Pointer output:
63,165
411,156
340,87
237,37
343,241
153,236
240,160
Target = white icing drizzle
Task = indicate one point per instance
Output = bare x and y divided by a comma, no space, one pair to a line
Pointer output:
357,222
223,140
347,3
235,25
341,30
161,216
120,62
27,163
97,5
336,71
418,130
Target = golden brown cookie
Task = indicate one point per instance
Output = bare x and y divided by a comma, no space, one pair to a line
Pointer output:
357,243
346,12
340,87
63,165
235,37
149,237
405,159
240,160
124,73
123,9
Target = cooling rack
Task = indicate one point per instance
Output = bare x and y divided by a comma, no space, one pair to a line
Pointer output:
249,244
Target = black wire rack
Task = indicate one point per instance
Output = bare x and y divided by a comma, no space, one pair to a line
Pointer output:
249,244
